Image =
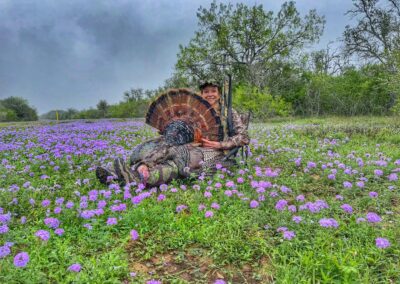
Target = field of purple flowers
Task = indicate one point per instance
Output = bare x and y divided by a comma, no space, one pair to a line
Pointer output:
317,201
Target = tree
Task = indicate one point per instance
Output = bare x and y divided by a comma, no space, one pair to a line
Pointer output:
376,36
134,95
71,113
247,39
102,107
19,109
328,61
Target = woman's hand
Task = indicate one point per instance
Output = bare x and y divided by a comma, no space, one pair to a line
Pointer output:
143,171
211,144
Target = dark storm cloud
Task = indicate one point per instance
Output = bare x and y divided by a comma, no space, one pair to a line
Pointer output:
61,54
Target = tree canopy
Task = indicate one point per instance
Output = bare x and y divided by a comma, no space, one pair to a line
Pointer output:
247,40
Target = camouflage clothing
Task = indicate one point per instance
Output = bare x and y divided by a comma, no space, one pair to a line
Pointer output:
241,137
166,162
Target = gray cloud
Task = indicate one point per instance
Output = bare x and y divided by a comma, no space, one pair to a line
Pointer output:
61,54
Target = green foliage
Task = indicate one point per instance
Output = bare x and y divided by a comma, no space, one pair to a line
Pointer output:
250,38
90,113
102,107
134,104
260,102
16,109
355,92
62,114
237,240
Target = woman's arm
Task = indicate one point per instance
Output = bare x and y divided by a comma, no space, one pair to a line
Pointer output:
240,138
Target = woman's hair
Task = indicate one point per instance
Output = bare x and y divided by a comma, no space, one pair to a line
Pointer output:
211,83
178,132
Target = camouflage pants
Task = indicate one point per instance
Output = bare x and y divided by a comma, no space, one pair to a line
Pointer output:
166,163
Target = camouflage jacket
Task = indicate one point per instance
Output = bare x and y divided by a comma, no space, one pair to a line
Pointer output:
241,136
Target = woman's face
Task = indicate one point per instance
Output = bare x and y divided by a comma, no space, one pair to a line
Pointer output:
211,94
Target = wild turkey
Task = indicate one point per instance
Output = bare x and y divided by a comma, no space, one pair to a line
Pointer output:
188,107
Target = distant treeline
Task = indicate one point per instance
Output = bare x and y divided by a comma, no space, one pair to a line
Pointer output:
134,104
274,74
16,109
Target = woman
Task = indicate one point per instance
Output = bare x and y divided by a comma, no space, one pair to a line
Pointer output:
172,155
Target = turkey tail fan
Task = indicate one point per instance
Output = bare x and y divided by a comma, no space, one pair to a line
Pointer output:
187,106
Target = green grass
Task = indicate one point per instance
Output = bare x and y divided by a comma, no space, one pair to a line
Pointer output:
234,244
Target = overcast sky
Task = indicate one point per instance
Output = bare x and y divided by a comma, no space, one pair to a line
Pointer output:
64,53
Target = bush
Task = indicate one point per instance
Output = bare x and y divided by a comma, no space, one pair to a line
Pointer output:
354,92
16,109
260,102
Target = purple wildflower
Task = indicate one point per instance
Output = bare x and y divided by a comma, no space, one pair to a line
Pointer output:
360,184
382,243
76,267
69,205
254,204
161,197
285,189
219,281
87,214
328,222
215,206
228,193
297,219
180,208
281,204
196,187
288,235
378,173
392,177
45,203
21,259
59,231
52,222
43,235
207,194
134,235
331,176
112,221
230,184
209,214
347,208
4,229
373,194
132,274
347,184
359,220
339,197
260,190
4,251
88,226
273,194
311,165
373,217
23,220
153,281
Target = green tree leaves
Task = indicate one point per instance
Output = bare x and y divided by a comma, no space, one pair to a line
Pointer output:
250,37
16,109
